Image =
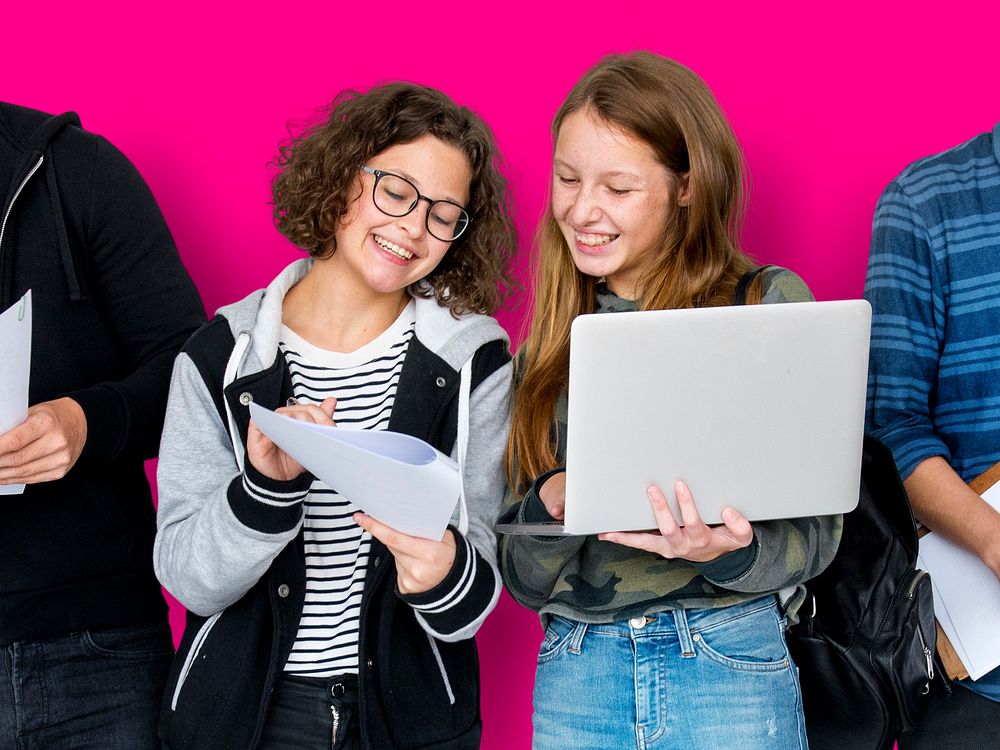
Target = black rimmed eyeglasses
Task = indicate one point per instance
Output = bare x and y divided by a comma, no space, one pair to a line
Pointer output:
397,196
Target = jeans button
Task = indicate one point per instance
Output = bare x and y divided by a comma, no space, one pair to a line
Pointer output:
337,690
283,591
638,622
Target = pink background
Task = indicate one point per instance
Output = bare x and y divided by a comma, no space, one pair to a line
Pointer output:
829,100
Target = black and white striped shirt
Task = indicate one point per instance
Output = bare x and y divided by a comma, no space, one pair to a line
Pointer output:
336,549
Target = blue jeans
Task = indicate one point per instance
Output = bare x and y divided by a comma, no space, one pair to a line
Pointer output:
94,690
717,679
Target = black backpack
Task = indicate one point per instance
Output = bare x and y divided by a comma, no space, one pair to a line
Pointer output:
865,641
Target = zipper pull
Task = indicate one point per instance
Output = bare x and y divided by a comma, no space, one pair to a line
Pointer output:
930,661
336,725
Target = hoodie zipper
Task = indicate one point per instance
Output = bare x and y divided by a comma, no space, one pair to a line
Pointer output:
3,225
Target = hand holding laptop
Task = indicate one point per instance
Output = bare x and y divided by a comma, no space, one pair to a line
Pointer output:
695,540
764,403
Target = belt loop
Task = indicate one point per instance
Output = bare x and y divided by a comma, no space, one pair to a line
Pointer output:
576,638
684,633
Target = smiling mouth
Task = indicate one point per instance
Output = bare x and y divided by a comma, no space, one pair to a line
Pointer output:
594,240
392,247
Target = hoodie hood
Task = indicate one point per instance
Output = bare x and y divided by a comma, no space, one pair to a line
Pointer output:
32,133
259,316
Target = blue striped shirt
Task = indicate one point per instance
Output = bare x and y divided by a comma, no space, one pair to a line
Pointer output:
934,285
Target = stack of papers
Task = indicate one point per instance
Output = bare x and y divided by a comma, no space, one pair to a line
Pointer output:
397,479
15,368
966,598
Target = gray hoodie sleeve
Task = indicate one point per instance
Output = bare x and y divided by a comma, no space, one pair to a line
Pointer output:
455,608
204,554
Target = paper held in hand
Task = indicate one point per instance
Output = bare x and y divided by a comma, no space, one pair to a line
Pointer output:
15,368
397,479
966,598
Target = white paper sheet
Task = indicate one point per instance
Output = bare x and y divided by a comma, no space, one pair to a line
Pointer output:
15,368
966,598
398,479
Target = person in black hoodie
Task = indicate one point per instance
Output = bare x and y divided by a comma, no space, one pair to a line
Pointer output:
83,625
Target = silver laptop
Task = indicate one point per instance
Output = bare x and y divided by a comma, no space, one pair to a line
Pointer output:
760,407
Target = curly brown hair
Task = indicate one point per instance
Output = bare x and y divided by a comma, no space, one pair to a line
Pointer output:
319,168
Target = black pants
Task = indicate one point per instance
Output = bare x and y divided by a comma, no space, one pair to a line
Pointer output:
313,714
91,690
962,721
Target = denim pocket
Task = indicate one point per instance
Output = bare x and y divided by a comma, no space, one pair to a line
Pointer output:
557,638
752,642
136,643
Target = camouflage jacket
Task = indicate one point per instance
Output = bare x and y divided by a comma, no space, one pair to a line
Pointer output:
589,580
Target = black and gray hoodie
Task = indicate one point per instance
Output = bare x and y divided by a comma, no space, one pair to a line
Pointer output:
237,564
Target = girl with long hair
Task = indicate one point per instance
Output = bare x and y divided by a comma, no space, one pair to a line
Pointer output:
310,624
671,638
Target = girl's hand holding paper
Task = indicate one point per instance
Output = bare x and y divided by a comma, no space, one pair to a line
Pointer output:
421,564
268,458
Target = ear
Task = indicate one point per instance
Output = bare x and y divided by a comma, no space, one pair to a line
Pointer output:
683,189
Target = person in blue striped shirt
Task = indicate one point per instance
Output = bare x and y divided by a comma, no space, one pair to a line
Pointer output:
934,383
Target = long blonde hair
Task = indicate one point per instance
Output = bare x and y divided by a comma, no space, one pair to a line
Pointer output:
668,107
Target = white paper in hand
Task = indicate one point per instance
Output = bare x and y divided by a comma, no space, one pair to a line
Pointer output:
15,368
395,478
966,598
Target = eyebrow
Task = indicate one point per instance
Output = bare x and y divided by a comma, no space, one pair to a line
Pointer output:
416,182
631,175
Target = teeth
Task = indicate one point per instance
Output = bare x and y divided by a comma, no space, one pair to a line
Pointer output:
595,239
393,248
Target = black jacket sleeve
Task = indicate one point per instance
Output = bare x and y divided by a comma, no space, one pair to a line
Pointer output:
147,300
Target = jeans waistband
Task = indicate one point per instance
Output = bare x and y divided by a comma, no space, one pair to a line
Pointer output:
342,688
681,623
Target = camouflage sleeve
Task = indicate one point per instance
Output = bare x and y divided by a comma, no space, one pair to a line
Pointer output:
787,552
531,565
782,285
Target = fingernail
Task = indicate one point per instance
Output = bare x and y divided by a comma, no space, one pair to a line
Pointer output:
728,514
680,487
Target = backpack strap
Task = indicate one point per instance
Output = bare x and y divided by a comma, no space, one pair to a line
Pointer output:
740,296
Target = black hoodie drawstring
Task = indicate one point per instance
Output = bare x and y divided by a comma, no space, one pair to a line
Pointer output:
62,238
37,145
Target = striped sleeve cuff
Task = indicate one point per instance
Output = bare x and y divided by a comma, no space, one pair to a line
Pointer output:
268,505
462,597
910,447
